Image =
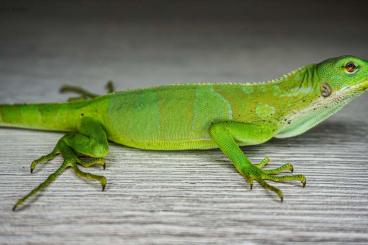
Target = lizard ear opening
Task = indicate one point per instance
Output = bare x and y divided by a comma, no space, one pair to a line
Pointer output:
325,90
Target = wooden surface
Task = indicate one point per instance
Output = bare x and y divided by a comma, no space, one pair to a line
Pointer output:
191,197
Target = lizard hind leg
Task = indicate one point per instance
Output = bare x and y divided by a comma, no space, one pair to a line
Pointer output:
84,94
90,141
70,161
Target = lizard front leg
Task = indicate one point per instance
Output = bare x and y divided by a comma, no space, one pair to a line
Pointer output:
227,134
90,141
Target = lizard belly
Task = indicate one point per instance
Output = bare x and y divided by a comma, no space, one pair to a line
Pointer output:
167,119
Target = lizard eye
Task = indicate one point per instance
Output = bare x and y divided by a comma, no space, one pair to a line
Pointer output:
350,68
325,90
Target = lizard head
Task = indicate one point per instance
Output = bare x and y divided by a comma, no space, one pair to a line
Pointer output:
321,90
342,77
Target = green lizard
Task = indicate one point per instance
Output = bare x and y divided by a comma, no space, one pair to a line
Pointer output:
194,116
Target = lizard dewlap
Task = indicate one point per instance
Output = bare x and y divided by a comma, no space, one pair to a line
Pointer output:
194,116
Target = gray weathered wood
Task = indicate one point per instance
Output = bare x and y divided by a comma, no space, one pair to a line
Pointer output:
190,197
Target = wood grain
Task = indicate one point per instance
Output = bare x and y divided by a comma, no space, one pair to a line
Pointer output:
193,197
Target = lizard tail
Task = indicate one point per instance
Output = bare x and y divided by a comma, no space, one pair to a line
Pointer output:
47,116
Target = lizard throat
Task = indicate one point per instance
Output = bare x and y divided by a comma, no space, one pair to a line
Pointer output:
317,112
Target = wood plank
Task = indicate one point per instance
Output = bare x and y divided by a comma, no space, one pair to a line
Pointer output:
193,197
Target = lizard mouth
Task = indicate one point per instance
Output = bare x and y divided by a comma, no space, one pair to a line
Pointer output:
341,97
358,88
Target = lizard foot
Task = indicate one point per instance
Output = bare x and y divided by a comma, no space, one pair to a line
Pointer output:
71,160
285,167
84,163
257,173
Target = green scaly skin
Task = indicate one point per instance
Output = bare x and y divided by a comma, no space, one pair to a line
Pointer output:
194,116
